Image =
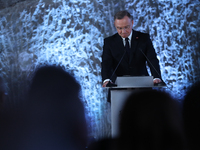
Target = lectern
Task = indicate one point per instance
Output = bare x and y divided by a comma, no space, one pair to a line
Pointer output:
119,94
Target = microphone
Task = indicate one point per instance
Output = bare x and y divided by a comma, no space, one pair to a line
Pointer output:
162,83
110,84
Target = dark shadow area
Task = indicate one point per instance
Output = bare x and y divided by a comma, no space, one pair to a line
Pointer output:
51,118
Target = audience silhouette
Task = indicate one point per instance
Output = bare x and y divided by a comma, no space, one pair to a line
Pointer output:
2,92
191,116
151,119
52,118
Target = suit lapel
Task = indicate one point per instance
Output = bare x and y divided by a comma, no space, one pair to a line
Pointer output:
134,43
121,45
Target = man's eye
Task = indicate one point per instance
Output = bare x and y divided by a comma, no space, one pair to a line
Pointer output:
127,27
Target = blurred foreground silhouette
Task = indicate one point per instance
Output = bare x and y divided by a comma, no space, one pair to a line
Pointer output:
191,116
52,118
150,119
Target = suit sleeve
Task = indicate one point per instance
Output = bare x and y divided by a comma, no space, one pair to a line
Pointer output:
153,61
107,61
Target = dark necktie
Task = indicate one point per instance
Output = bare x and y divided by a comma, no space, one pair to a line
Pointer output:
127,45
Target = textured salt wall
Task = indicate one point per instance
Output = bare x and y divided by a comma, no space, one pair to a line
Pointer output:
70,34
175,32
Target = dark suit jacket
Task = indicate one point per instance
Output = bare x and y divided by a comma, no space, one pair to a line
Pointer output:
135,65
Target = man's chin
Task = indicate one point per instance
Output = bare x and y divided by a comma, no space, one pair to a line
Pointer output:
124,36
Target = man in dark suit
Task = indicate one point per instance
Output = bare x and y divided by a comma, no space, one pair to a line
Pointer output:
133,61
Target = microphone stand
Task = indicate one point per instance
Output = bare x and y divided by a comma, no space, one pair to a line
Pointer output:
162,83
110,84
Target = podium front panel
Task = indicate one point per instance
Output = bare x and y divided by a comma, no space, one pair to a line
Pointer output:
118,98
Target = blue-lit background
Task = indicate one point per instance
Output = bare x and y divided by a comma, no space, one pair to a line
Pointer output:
70,33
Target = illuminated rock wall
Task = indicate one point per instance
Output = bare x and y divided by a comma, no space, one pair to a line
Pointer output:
70,34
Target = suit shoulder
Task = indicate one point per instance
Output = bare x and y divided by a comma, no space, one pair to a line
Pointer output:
112,37
141,33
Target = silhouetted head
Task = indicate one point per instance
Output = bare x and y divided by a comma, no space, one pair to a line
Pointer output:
151,120
51,83
2,92
191,113
53,116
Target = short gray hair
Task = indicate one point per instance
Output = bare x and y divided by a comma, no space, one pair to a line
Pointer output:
122,14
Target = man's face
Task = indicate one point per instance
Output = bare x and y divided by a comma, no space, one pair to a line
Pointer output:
124,26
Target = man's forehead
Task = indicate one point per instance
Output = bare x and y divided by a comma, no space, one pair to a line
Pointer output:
122,23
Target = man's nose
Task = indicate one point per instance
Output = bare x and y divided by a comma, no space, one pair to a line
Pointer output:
123,30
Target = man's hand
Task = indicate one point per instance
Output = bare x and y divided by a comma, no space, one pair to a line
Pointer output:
105,83
156,80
